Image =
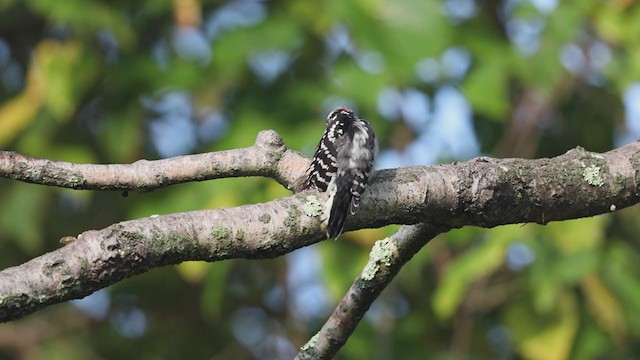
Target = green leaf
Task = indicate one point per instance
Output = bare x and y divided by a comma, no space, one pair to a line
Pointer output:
475,264
22,215
486,88
215,288
575,235
547,337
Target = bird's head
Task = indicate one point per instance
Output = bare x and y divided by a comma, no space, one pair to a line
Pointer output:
342,113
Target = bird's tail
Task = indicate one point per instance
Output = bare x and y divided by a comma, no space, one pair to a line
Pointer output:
339,210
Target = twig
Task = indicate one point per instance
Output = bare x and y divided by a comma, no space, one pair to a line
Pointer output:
386,259
268,157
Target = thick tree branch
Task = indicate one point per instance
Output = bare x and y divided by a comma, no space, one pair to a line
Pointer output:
482,192
100,258
488,192
268,157
386,259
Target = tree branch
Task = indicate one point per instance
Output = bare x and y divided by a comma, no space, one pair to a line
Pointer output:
489,192
268,157
100,258
386,259
482,192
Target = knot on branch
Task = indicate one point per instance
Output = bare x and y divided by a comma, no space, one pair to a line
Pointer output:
269,139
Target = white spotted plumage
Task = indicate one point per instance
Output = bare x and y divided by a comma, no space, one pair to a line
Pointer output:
341,166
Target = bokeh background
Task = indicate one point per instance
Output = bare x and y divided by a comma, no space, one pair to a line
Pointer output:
116,81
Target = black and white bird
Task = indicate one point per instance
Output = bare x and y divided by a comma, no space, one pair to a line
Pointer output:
341,166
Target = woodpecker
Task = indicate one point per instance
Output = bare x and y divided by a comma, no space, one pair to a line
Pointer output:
341,166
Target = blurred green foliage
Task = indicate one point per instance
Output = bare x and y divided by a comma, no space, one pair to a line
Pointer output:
117,81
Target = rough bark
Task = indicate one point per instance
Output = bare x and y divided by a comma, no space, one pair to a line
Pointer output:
482,192
267,157
385,261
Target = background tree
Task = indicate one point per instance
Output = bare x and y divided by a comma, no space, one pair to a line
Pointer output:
115,82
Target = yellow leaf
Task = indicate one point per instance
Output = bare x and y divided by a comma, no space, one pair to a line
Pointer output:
193,271
56,78
554,341
604,307
187,12
365,237
15,115
18,112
